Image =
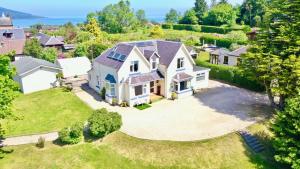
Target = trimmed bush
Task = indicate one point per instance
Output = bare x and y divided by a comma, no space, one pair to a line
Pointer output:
221,42
232,75
214,29
196,28
71,135
102,123
167,26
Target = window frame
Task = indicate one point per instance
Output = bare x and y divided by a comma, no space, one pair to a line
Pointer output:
227,60
200,76
134,66
180,63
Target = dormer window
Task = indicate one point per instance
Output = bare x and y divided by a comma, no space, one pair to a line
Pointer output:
180,63
154,64
134,66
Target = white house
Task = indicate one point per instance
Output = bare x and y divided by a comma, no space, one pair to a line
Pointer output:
133,72
223,56
74,66
35,74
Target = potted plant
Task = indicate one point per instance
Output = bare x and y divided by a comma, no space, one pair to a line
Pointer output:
173,96
114,101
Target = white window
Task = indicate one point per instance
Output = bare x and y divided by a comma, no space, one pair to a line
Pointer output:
200,76
180,63
110,89
98,80
134,66
140,90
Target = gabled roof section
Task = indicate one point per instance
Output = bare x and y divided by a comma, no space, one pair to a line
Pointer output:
239,51
27,64
46,40
167,51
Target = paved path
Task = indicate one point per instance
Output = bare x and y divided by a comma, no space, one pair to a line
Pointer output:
216,111
12,141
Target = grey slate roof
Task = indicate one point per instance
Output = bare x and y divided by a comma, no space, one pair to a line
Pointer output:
144,78
239,51
182,77
198,68
221,51
26,64
16,33
46,40
121,48
165,49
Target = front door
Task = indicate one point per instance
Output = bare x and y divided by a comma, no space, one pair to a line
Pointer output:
152,87
158,90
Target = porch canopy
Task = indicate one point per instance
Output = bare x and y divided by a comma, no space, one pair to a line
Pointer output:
144,78
180,77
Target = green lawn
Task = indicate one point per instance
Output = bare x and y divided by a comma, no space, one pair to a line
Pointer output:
121,151
46,111
143,106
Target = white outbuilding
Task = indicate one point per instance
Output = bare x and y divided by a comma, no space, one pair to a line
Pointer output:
71,67
35,74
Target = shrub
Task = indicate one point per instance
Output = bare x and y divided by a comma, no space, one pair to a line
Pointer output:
114,102
237,36
167,26
173,96
232,75
41,142
102,122
103,93
71,135
156,32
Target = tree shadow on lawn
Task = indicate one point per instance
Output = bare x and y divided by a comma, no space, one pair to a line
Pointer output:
241,103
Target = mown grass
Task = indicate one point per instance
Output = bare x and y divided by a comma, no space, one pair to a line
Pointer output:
46,111
142,106
122,151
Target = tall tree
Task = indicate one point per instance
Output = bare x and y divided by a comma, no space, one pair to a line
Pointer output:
141,17
220,14
286,129
118,18
250,9
274,58
200,8
33,48
189,17
8,91
49,54
93,27
172,16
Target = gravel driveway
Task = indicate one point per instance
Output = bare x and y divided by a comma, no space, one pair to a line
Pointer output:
213,112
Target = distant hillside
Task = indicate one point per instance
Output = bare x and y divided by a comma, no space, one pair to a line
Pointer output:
17,14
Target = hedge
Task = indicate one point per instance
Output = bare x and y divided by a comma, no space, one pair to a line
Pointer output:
196,28
205,28
221,42
167,26
232,75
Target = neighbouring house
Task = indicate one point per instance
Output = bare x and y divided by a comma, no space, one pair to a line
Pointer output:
136,72
51,41
5,22
35,74
192,52
12,40
72,67
223,56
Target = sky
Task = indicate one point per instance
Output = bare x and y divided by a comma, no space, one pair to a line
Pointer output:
79,8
